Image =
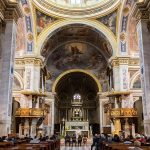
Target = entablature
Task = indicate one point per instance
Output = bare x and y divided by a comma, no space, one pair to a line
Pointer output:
117,61
37,61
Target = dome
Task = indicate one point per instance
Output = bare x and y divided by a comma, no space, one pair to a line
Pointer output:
77,3
76,8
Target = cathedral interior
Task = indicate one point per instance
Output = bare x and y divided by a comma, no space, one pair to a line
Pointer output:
69,66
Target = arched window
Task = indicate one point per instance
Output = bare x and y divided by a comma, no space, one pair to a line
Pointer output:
75,2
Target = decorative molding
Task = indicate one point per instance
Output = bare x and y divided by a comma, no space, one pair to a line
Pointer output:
123,112
125,61
30,112
10,10
29,60
98,10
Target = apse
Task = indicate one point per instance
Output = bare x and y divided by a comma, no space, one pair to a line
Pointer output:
77,101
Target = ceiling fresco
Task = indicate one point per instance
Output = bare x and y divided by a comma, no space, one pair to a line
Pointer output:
77,32
77,46
42,21
76,55
110,21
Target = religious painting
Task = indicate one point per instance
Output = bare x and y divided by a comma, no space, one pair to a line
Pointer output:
79,32
110,21
43,21
75,55
20,38
133,38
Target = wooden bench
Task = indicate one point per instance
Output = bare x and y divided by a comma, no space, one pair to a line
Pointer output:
50,145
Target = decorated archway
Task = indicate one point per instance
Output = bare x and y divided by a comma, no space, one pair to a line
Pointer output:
76,70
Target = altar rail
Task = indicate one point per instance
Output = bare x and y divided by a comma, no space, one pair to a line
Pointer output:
30,112
123,112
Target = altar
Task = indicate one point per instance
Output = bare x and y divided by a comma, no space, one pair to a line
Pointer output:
77,122
77,127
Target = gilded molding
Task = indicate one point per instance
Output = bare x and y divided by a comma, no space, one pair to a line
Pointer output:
125,61
98,10
123,112
30,112
29,60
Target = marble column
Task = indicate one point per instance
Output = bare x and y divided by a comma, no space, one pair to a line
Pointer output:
52,99
127,128
7,50
33,127
144,47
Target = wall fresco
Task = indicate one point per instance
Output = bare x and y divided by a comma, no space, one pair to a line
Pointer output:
110,21
42,21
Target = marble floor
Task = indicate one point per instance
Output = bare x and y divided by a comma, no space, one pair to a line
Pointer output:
75,148
83,147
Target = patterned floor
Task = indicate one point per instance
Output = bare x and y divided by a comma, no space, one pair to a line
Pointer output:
75,148
83,147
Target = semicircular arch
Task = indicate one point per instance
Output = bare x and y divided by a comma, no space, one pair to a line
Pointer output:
76,70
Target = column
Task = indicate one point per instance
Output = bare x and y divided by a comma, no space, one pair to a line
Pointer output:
100,112
144,45
117,125
33,127
120,73
87,115
127,130
7,50
26,127
52,99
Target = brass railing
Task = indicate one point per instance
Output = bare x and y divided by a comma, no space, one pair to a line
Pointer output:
123,112
30,112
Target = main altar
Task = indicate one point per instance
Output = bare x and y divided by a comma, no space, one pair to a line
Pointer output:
78,123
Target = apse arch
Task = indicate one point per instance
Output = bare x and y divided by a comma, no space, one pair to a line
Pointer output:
52,29
70,41
74,71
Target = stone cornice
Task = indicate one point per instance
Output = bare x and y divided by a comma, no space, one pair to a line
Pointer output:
29,60
125,61
10,10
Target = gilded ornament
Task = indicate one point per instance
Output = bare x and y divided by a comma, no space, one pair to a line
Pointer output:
30,37
122,36
126,11
27,10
